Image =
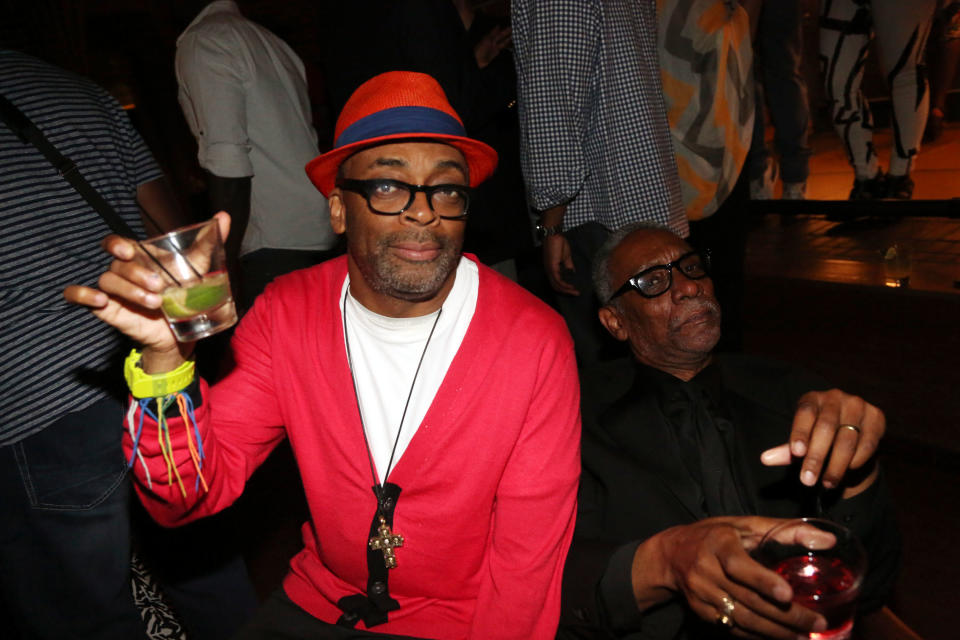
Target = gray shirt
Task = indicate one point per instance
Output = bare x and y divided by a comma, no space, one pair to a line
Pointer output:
244,94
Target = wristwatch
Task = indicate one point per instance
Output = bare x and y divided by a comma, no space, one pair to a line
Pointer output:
145,385
546,232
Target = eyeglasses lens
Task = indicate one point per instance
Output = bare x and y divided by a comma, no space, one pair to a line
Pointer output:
393,198
659,279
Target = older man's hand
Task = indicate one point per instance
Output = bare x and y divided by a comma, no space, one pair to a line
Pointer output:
836,434
708,564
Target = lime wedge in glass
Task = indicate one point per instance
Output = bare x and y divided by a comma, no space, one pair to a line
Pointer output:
207,294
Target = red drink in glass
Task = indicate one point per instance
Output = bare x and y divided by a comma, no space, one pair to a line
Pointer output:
825,585
824,564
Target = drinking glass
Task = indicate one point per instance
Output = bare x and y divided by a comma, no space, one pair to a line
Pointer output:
824,564
197,301
897,264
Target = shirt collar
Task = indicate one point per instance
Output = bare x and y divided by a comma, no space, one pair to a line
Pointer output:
664,384
220,6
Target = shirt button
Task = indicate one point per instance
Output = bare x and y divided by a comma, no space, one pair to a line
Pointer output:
377,588
388,504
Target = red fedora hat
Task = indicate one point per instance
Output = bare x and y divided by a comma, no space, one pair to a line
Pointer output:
398,105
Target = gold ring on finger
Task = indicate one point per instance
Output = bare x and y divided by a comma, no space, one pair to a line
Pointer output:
852,427
725,615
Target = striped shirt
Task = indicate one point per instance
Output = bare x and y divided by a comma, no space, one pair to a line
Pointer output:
56,357
594,131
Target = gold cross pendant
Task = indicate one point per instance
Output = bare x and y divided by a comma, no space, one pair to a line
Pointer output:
386,541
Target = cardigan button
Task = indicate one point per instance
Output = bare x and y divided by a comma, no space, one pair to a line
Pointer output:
377,588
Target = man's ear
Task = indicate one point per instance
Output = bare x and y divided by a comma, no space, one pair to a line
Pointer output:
338,211
614,322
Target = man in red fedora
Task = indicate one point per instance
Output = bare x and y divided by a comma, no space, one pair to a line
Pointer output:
431,404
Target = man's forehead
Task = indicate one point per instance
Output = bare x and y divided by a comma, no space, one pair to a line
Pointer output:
646,248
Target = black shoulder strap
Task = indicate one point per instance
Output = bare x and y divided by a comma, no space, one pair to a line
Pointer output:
21,125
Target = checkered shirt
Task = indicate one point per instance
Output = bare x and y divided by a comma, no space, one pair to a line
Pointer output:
594,131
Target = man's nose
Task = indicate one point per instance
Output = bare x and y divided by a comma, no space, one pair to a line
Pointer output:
419,212
683,287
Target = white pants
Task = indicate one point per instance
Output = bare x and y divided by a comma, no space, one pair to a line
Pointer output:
901,27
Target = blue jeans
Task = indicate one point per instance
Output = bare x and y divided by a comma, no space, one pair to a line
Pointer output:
65,541
65,536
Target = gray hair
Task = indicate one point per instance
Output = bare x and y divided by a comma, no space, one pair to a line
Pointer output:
601,260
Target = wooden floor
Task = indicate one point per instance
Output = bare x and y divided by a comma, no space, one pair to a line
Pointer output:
935,169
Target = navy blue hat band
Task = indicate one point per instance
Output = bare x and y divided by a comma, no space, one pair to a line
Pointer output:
400,120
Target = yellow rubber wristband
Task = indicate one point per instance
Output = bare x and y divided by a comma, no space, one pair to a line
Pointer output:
145,385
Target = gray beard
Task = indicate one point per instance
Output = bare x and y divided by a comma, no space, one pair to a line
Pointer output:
405,280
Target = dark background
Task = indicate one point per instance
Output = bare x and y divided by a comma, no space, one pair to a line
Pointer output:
899,351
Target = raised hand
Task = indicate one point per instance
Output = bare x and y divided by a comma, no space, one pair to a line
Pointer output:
128,298
836,434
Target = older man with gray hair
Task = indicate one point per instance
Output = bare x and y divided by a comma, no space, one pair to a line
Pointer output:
685,472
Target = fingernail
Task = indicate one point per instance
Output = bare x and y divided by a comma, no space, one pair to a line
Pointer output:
152,300
782,593
820,624
827,484
154,280
808,478
799,448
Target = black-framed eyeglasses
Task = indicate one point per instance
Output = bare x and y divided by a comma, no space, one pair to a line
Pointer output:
392,197
656,280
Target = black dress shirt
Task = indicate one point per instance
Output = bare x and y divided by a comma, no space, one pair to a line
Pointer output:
642,476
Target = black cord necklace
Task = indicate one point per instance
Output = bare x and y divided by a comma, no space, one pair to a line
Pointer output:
385,540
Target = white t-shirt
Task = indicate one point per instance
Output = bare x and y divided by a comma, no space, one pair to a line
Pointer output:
385,353
243,92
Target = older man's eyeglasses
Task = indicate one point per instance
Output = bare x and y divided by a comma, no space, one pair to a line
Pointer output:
392,197
656,280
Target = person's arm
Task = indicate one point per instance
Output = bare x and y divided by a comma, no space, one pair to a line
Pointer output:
553,54
159,208
236,423
557,260
214,103
519,594
554,65
174,482
233,196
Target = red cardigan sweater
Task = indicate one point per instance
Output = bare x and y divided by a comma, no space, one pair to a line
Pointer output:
488,482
